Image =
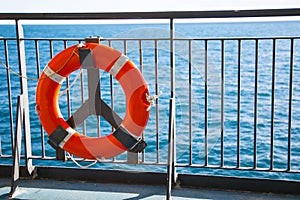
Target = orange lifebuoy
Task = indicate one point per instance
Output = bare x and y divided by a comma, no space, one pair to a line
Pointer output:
132,83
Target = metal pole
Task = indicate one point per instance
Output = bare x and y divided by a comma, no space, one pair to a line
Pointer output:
24,92
17,147
170,149
273,105
9,96
172,71
171,171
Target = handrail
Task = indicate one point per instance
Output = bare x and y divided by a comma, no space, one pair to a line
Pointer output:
155,15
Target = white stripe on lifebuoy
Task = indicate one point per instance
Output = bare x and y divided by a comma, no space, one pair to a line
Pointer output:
122,60
53,75
66,139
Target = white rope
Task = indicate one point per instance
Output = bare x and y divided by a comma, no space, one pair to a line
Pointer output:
16,73
69,87
151,99
82,166
37,79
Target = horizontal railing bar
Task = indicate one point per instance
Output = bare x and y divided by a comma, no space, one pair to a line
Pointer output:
177,165
82,39
236,168
153,39
164,164
5,156
103,161
154,15
241,38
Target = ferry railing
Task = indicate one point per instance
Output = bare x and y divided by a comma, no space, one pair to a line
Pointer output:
174,163
205,41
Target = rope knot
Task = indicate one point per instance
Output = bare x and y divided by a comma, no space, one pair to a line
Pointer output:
151,99
80,45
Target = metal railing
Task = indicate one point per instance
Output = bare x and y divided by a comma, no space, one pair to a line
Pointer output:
235,97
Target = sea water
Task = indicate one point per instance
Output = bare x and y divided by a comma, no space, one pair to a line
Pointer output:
158,130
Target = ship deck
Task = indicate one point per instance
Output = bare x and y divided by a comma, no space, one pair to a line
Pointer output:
55,189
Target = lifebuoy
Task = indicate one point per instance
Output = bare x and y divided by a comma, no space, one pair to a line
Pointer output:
132,83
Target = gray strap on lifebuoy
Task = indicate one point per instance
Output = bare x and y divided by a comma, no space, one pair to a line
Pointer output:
86,58
128,141
57,136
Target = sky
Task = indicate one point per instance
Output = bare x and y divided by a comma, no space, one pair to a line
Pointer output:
11,6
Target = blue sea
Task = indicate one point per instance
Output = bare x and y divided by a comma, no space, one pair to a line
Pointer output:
157,129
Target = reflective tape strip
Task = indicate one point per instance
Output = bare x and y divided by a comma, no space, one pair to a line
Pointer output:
53,75
122,60
66,139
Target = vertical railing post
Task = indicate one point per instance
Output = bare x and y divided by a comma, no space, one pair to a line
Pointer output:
9,95
171,171
171,160
172,71
24,92
17,146
20,126
290,117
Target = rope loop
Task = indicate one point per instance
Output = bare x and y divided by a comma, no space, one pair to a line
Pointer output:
70,156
